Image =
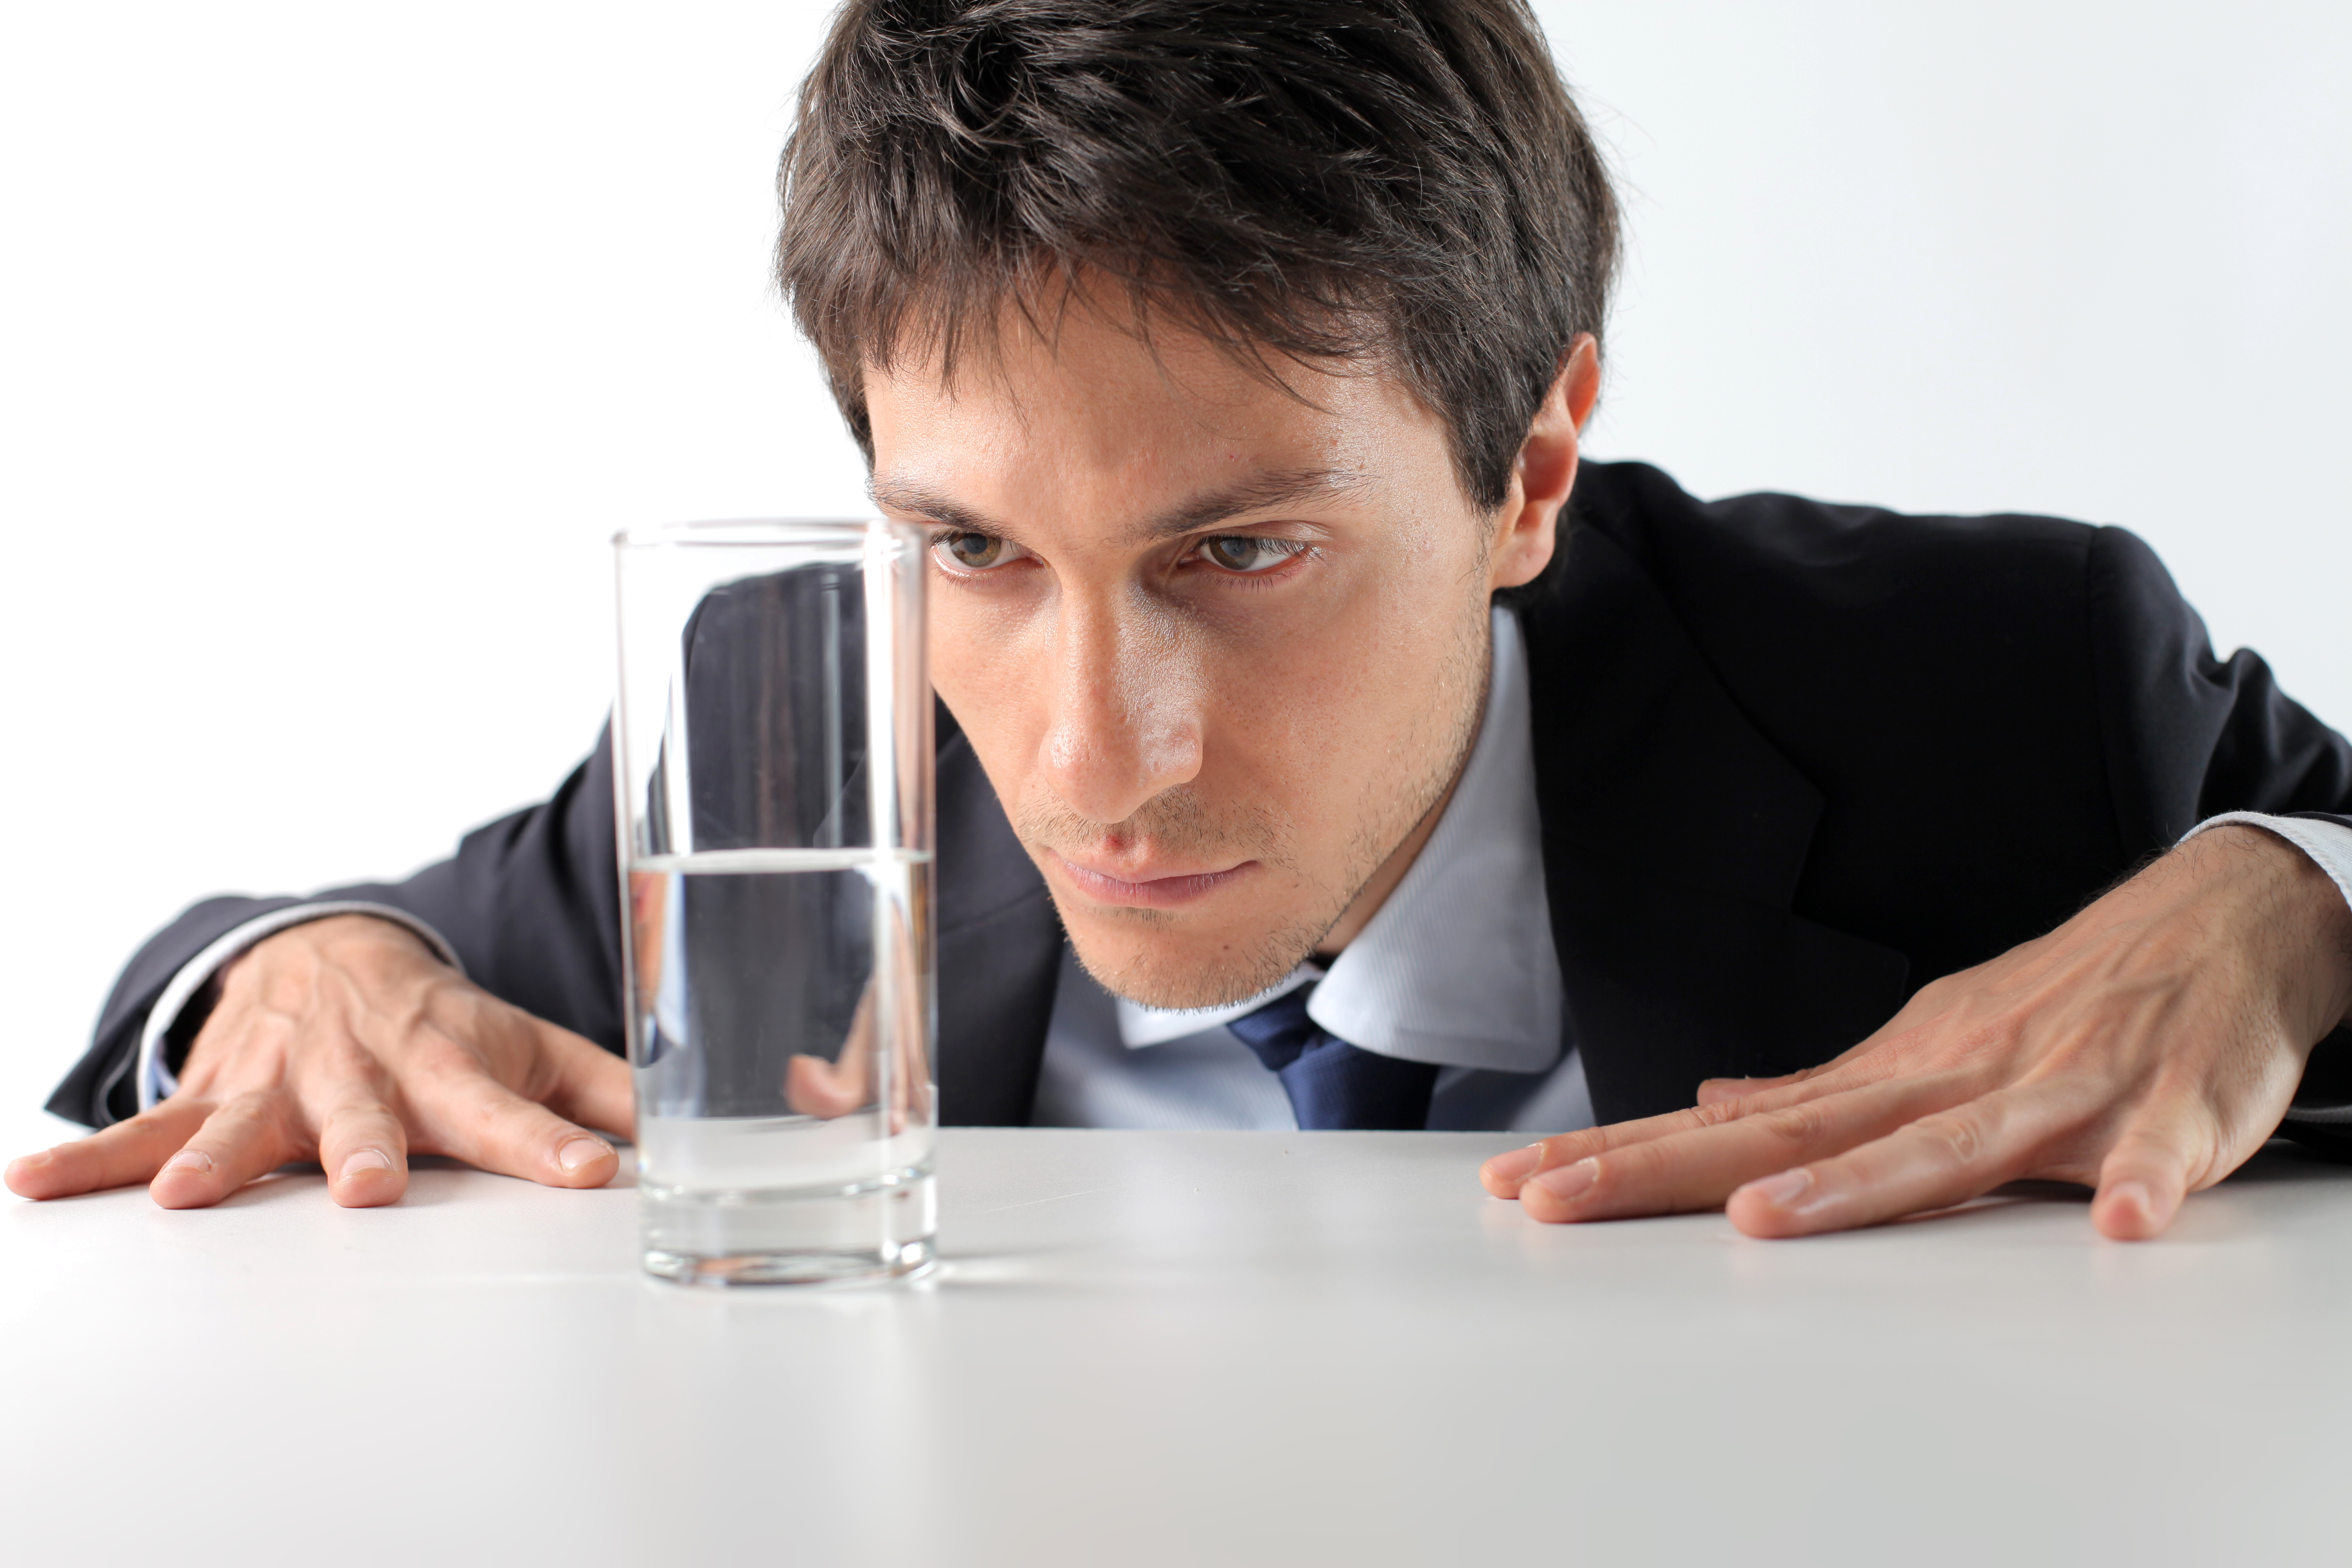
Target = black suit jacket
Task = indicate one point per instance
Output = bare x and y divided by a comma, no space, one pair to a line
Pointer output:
1793,760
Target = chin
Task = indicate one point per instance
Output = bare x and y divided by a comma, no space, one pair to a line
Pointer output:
1142,955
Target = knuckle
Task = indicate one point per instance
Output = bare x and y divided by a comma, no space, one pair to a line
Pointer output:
542,1080
493,1115
1957,1138
347,1060
1567,1148
507,1111
1802,1125
283,989
1934,996
425,1049
353,1102
273,1038
2160,1146
155,1121
1720,1111
257,1107
1638,1164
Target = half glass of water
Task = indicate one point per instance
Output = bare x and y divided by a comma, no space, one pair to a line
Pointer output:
773,792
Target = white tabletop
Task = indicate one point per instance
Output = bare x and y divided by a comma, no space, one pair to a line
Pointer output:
1178,1348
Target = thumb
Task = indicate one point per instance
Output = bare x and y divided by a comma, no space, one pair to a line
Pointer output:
2141,1183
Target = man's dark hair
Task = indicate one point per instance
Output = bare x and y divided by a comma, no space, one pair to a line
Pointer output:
1404,181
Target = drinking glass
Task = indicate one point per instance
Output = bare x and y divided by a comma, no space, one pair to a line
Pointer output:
772,785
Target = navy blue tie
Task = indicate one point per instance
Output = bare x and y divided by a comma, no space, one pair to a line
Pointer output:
1333,1084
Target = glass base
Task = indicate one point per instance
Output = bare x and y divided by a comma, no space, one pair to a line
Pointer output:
874,1232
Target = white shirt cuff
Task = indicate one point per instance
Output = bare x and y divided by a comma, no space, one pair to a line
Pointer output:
2329,845
152,1075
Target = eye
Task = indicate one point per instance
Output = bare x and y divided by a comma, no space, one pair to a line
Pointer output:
1247,554
970,552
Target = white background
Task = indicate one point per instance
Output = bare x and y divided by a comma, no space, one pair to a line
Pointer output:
335,341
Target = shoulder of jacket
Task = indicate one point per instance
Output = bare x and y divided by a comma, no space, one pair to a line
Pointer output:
1799,553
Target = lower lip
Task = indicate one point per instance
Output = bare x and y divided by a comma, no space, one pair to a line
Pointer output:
1160,893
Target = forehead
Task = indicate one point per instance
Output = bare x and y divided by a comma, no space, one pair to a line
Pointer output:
1089,399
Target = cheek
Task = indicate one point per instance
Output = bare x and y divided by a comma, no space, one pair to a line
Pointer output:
1319,711
977,669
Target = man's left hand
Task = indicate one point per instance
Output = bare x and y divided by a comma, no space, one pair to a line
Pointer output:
2146,1048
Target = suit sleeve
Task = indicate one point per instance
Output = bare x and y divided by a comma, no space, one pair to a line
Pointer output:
2190,736
530,904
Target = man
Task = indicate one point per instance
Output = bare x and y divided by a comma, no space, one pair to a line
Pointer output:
1322,746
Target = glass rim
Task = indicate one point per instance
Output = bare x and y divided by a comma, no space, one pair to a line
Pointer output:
753,532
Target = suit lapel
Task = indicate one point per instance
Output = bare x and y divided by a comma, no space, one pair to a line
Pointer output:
1674,836
999,950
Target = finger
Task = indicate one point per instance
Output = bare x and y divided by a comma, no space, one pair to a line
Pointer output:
815,1086
1715,1091
245,1138
1935,1161
591,1086
117,1156
915,1072
485,1123
906,1050
1923,1007
1915,1013
1505,1173
906,1091
2142,1182
365,1151
1698,1169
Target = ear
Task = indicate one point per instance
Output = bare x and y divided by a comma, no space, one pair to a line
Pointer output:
1526,525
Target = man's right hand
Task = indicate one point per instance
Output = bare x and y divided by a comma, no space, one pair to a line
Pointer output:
346,1041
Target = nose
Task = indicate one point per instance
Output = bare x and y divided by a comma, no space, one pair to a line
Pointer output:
1125,722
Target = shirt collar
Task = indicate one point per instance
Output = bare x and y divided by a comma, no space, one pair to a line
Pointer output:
1457,967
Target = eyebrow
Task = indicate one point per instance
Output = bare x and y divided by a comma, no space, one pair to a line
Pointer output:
1262,492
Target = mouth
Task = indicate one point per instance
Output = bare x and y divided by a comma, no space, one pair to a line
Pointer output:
1151,892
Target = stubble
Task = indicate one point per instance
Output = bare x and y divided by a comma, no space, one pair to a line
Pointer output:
1392,805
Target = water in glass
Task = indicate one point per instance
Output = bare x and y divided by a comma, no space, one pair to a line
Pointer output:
779,1011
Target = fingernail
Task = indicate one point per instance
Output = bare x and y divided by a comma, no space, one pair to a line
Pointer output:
1566,1181
362,1160
2134,1192
1782,1189
1510,1167
579,1153
189,1160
